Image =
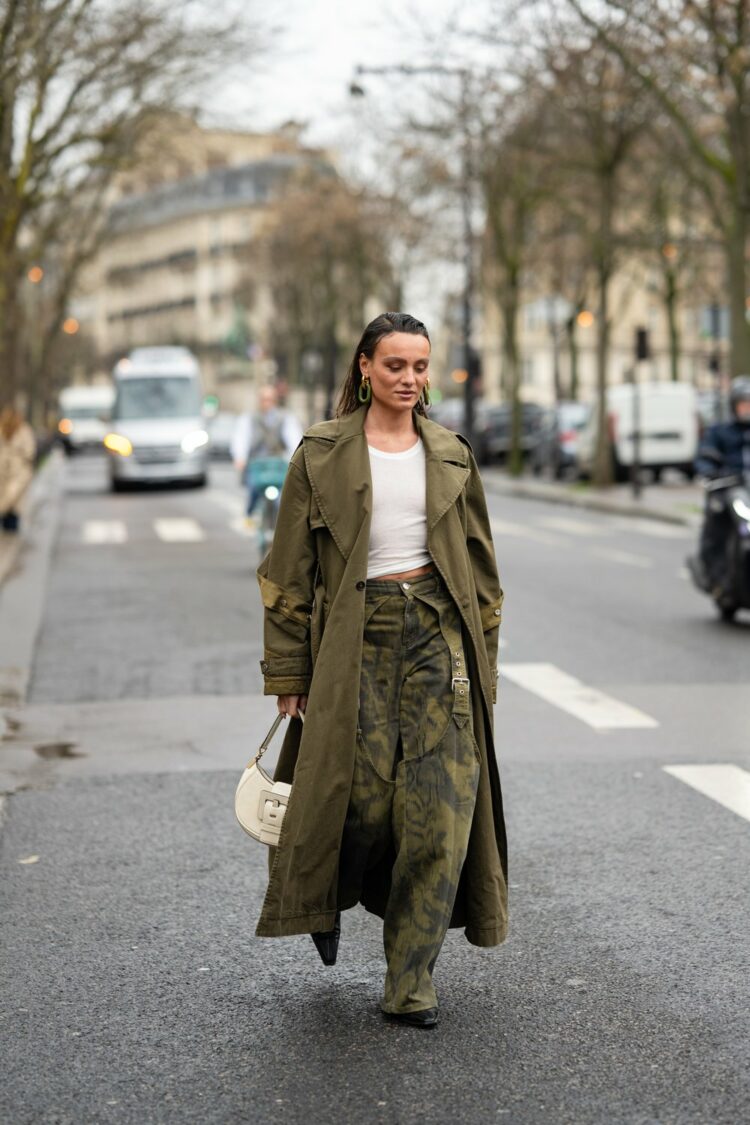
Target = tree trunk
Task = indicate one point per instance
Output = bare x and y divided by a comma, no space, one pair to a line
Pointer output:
603,456
737,276
602,474
512,371
570,331
670,303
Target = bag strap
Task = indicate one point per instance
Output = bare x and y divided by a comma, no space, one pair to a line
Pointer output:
267,740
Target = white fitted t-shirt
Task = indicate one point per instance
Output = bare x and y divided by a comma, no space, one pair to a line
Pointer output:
398,532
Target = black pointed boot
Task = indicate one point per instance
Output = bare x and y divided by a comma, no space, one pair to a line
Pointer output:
327,942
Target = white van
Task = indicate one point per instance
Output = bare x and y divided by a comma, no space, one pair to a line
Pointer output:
669,429
83,416
158,429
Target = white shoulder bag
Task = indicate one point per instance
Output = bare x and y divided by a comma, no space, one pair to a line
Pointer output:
259,801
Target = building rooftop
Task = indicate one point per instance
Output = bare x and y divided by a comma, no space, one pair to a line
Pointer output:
252,183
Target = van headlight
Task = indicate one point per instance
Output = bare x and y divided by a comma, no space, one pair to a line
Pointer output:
741,508
196,439
118,443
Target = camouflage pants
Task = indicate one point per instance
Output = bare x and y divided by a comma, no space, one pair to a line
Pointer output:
415,777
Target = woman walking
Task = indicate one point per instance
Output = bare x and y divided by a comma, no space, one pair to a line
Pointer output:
17,449
382,605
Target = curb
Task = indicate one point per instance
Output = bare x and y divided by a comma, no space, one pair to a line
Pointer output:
553,494
22,592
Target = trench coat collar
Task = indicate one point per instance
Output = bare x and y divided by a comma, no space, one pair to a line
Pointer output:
336,452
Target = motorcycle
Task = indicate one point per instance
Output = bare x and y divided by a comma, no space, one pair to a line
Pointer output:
728,584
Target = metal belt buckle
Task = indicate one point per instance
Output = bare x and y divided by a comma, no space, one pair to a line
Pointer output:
459,680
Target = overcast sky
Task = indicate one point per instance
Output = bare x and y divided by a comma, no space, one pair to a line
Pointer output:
305,77
306,74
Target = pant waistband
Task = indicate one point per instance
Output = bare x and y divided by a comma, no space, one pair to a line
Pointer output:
422,584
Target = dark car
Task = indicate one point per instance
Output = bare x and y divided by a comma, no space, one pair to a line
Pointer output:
494,431
554,449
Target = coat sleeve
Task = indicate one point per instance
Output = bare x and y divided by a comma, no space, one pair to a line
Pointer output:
484,567
286,577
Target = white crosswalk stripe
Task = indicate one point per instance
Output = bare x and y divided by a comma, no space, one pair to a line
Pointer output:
104,531
588,704
727,784
179,530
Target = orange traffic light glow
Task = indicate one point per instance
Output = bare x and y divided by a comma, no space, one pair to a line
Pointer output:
459,375
585,318
65,425
70,326
35,274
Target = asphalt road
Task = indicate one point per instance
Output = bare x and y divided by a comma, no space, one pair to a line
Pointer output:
133,988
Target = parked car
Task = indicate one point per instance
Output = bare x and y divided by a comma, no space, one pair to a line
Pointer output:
556,441
449,412
669,429
493,437
220,429
83,416
158,429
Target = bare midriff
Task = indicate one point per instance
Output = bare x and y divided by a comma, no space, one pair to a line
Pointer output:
404,574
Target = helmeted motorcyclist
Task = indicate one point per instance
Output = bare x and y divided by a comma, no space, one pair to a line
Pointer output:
724,451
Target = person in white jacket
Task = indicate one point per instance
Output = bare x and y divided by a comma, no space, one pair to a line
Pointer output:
265,434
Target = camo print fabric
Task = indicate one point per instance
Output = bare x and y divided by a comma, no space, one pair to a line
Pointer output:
415,777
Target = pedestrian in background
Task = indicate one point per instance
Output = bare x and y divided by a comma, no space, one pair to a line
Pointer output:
382,606
17,452
267,435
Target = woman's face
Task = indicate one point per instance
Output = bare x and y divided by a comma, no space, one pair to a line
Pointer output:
398,370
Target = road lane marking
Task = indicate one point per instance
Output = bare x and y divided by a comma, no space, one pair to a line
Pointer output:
104,531
591,706
572,527
653,528
728,785
180,530
522,531
624,557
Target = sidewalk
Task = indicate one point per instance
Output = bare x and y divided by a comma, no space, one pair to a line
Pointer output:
24,565
678,503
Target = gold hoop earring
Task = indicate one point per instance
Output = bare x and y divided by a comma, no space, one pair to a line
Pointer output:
426,392
364,398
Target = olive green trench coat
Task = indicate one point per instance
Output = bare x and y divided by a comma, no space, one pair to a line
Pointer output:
312,585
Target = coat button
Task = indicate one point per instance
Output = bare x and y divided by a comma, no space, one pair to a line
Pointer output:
497,613
360,585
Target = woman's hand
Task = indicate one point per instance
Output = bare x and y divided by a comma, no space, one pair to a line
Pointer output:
292,705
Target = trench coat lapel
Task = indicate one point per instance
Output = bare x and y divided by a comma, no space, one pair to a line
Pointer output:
339,470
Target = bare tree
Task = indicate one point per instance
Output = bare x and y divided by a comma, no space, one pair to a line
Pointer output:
694,58
600,113
82,85
516,181
327,252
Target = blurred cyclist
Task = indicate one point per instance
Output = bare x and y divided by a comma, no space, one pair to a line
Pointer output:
269,434
723,452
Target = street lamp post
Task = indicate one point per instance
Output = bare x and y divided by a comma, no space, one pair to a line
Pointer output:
470,359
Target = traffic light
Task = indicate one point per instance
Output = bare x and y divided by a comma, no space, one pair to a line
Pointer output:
641,344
